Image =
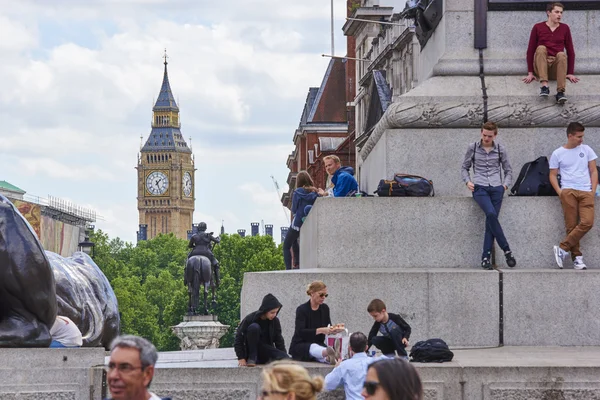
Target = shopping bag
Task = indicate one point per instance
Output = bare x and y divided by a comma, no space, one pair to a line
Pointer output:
339,342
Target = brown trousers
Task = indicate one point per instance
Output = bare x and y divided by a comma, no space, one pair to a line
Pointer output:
547,67
578,209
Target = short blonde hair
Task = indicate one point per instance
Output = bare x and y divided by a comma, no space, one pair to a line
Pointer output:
333,157
315,287
289,377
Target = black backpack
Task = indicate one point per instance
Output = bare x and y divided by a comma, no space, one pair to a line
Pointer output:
414,185
431,350
534,179
389,189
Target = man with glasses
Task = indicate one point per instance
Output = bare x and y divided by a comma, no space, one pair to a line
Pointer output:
131,368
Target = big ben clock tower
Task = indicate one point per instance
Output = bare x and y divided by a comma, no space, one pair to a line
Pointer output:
165,171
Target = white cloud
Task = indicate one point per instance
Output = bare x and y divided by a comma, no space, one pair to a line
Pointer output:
79,78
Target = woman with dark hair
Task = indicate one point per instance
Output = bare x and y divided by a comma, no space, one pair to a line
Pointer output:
304,195
392,379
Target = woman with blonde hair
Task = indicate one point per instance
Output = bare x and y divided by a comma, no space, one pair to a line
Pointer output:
304,195
313,322
289,381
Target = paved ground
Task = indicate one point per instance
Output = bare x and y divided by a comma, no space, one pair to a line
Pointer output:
489,357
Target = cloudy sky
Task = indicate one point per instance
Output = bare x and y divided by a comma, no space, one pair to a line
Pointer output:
78,79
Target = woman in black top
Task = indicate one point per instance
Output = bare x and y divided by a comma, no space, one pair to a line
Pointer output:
312,324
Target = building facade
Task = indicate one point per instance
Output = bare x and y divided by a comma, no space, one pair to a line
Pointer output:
387,52
165,172
327,125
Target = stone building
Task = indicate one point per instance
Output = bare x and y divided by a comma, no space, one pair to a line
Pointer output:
388,58
165,172
327,123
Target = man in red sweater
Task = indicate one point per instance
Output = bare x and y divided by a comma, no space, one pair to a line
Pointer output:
545,54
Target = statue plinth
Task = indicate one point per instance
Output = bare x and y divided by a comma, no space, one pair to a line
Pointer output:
198,332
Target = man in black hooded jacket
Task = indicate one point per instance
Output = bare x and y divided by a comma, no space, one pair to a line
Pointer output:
258,339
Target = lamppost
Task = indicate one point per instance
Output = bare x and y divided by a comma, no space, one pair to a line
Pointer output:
87,246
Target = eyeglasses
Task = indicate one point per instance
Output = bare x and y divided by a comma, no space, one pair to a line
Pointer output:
323,295
122,368
371,387
266,393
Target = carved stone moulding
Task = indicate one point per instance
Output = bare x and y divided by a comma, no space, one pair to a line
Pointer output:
450,113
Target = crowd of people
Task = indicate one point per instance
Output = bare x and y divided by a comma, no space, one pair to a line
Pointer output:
259,340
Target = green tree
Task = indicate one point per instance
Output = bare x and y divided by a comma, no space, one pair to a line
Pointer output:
237,256
148,280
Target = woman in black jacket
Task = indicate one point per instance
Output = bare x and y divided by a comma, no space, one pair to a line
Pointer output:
312,324
258,339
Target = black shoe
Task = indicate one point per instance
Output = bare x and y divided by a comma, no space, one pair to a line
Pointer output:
251,363
544,91
510,260
561,98
485,264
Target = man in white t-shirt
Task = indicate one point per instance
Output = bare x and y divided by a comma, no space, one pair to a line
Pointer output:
65,333
576,163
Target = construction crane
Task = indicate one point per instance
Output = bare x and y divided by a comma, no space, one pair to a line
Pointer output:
287,218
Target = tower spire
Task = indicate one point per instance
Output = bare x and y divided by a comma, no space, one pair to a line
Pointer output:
165,100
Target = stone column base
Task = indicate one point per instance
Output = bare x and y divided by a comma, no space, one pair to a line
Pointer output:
198,332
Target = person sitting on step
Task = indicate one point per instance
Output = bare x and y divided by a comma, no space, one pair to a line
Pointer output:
313,322
341,177
258,338
546,58
351,372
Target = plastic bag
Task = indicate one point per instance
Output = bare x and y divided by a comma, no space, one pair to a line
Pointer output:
339,342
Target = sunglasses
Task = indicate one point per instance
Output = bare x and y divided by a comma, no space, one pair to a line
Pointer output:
322,295
371,387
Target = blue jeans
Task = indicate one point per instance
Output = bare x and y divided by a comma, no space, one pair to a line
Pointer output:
58,345
489,199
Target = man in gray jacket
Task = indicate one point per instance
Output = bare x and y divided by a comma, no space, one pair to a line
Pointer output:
488,160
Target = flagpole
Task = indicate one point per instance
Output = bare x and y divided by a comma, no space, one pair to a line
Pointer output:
332,35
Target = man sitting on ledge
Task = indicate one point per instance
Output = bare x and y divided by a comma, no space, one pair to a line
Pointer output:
341,177
546,57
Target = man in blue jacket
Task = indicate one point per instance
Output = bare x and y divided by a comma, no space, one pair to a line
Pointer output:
341,177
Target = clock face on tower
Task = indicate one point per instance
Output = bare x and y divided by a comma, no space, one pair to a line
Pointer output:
187,184
157,183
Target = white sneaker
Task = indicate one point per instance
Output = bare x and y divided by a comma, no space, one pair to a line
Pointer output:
559,255
578,263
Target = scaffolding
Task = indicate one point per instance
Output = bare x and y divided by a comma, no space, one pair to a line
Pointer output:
63,210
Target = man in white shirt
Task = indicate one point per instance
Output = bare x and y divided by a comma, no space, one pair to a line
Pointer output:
352,372
65,333
576,163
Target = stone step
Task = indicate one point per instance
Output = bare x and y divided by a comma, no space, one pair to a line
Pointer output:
536,373
51,373
425,232
465,307
437,154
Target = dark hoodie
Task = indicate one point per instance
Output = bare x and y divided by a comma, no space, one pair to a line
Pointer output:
344,181
275,338
301,198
